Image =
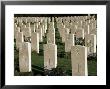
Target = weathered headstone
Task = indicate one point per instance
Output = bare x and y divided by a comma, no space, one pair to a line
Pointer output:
25,57
69,42
39,30
27,32
23,27
16,30
65,31
73,28
86,30
32,26
51,38
45,27
50,56
27,24
79,60
19,39
21,24
35,42
80,33
90,43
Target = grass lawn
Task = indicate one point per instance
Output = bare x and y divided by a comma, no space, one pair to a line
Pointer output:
92,67
65,64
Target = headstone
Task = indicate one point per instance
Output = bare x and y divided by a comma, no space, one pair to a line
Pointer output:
45,27
79,60
19,39
65,31
27,32
73,28
51,36
50,56
80,33
36,25
39,30
69,42
93,31
90,43
16,30
60,27
24,19
27,24
32,26
43,31
23,27
35,42
51,25
86,30
25,57
21,24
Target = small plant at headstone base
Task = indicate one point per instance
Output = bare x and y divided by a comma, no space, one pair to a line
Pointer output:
58,71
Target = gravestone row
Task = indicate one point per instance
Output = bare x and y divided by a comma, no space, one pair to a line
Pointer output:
70,28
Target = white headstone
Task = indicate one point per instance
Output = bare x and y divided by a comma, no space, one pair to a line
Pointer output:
27,24
16,30
32,26
80,33
65,31
69,42
25,57
19,39
73,28
90,43
51,36
79,60
27,32
86,30
50,56
35,42
39,30
23,27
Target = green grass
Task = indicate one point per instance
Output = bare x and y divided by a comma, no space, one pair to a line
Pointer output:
37,60
92,67
65,64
